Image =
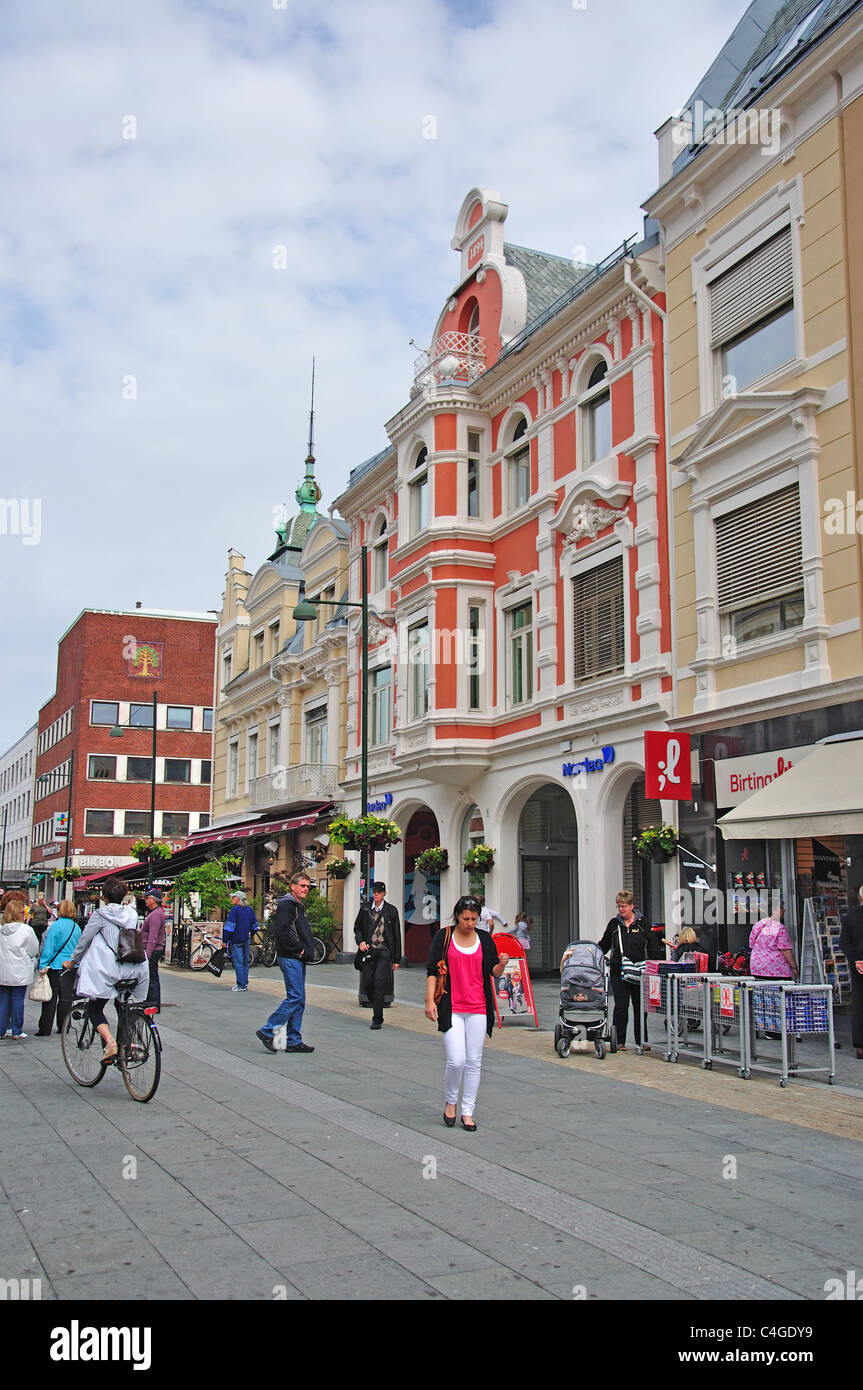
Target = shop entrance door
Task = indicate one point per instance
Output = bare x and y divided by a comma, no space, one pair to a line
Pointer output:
549,897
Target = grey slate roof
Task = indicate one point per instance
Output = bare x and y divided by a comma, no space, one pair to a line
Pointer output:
752,59
546,277
285,564
363,468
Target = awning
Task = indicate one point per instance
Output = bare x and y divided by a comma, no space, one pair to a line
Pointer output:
822,795
245,829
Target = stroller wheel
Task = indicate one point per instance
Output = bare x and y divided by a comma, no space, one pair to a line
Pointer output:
600,1049
563,1045
613,1038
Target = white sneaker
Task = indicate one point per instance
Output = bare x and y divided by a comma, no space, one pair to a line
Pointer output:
237,989
19,1037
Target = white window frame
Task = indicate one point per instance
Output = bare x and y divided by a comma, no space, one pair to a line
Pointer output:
232,770
779,209
419,690
517,602
513,460
252,773
372,695
419,478
579,563
585,397
315,730
274,763
380,553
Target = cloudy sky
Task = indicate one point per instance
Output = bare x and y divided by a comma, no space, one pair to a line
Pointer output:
155,361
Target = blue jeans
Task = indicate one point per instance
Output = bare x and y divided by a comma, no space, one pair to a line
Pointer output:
291,1010
240,962
12,1008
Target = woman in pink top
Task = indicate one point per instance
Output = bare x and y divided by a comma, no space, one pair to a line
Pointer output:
465,1013
772,955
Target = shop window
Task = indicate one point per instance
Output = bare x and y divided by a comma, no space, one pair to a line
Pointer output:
599,640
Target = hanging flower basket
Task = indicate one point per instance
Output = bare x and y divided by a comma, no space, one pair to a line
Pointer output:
657,842
150,849
479,859
364,832
432,861
339,868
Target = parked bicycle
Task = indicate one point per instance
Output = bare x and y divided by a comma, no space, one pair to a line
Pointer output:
139,1047
206,948
262,947
267,951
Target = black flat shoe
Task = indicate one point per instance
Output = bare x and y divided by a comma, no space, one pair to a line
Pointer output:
471,1128
449,1120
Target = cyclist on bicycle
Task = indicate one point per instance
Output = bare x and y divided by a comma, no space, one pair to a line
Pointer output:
99,970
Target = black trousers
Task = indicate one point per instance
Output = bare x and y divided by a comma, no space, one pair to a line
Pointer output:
856,1007
62,994
376,978
154,993
626,992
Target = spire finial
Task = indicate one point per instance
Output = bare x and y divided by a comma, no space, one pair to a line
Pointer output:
311,456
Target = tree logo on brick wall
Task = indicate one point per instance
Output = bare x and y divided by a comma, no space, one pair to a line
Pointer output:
146,660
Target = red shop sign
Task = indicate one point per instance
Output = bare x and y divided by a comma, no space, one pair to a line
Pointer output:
667,767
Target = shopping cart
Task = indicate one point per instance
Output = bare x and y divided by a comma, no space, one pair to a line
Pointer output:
792,1011
725,1032
656,1001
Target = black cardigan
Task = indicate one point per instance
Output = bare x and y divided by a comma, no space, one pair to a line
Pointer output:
490,959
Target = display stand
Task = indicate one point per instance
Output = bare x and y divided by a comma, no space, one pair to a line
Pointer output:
517,994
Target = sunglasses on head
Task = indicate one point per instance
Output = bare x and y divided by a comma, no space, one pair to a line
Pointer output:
470,903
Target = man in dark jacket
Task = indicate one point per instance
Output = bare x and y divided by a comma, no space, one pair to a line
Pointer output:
851,946
378,934
153,935
294,946
628,937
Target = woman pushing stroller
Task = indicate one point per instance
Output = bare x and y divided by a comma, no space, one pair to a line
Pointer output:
628,938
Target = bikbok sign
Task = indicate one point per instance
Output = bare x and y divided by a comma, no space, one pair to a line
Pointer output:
667,766
738,778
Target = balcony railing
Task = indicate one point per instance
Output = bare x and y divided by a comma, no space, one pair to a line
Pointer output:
302,782
454,357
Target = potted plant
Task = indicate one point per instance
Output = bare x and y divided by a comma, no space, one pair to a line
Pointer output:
432,861
340,868
210,882
364,832
479,859
657,842
145,850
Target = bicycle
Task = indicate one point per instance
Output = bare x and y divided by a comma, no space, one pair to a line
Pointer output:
268,952
320,952
139,1047
203,953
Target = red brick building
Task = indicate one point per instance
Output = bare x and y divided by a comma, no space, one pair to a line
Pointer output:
109,664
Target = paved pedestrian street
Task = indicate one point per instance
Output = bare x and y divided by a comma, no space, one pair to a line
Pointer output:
331,1176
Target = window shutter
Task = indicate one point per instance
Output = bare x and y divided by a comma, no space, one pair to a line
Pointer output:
598,610
759,551
752,290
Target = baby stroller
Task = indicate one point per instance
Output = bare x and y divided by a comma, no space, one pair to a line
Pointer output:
584,1001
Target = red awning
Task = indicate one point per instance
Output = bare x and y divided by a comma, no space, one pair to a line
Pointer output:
81,883
248,828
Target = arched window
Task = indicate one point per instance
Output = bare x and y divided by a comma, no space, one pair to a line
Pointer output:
598,406
473,323
419,493
518,468
380,556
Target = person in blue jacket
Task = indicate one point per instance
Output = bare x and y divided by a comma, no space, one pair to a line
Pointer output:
237,930
58,943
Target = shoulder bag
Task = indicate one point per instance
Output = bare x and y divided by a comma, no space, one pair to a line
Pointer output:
130,946
442,969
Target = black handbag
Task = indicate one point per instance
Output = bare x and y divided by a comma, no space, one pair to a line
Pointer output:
361,959
216,963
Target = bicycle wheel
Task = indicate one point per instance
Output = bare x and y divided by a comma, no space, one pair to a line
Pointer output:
82,1047
268,951
140,1060
320,952
201,956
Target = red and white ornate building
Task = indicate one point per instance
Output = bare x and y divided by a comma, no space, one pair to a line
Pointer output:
517,529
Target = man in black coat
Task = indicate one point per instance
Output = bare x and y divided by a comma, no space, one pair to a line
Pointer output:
851,946
378,933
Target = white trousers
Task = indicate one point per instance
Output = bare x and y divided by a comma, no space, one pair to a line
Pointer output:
464,1043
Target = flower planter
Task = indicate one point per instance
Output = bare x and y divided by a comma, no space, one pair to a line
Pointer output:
660,855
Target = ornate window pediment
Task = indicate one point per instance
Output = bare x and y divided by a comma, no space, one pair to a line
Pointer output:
588,508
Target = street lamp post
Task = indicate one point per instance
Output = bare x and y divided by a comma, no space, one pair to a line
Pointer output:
308,610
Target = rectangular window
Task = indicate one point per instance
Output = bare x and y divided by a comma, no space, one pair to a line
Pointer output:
316,735
418,658
102,766
474,656
208,720
752,314
206,772
141,716
203,820
274,639
380,705
178,717
178,770
227,663
273,747
136,823
99,823
104,712
252,752
473,445
759,566
139,769
520,629
259,649
519,478
233,768
599,415
175,822
598,611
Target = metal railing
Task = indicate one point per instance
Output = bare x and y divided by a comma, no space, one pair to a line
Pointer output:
284,784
